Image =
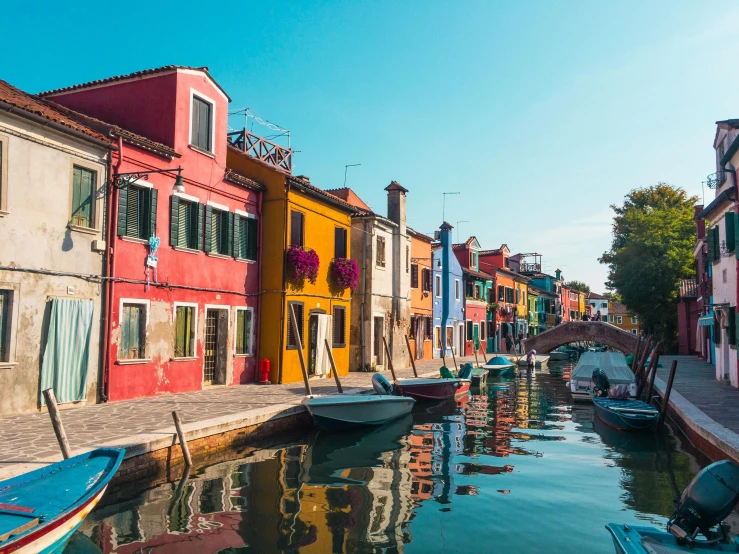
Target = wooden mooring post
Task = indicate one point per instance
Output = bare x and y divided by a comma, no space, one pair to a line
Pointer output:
333,366
652,377
181,436
666,398
299,344
643,359
643,377
477,361
410,355
56,422
635,361
389,359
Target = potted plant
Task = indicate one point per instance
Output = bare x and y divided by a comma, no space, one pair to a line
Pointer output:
303,263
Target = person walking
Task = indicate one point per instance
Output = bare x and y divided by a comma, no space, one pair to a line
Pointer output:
508,343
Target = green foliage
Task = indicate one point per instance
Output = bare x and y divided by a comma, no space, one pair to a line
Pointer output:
613,296
652,249
577,285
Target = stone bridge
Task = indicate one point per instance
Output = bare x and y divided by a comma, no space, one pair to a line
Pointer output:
574,331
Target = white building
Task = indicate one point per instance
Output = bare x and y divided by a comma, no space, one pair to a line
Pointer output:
598,303
381,303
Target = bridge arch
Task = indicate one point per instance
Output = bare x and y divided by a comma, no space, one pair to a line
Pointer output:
574,331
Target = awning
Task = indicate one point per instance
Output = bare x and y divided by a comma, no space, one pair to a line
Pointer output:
706,320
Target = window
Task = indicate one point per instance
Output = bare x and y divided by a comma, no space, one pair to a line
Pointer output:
83,189
633,320
244,317
218,231
412,328
456,289
426,279
469,290
133,331
380,255
184,341
429,327
438,285
297,308
472,260
723,275
509,295
296,228
732,326
339,332
414,276
3,175
339,242
407,259
245,237
477,292
137,212
186,223
202,124
619,319
5,299
491,328
633,331
501,293
449,337
437,338
469,329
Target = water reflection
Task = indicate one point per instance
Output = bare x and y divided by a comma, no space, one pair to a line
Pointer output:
515,461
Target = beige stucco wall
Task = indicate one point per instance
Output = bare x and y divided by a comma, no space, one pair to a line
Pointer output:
34,234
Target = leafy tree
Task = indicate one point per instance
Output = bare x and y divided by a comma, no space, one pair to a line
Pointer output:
613,296
577,285
652,249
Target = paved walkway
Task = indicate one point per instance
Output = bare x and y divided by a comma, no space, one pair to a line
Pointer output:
29,438
696,381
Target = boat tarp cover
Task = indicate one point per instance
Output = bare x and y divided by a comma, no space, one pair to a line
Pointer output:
612,363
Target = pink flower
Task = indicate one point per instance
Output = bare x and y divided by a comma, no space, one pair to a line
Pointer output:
303,263
345,273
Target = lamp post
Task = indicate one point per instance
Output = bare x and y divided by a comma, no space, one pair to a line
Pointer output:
123,180
443,205
346,168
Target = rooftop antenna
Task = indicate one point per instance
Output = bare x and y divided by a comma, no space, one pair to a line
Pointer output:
346,168
443,206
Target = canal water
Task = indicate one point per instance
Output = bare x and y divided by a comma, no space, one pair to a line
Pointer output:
514,468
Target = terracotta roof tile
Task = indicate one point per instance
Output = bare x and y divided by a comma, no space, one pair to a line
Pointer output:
134,75
234,177
351,197
304,182
40,107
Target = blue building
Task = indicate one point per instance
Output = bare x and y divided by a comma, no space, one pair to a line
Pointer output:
448,297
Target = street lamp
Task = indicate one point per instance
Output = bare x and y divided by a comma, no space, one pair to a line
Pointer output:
443,206
346,168
123,180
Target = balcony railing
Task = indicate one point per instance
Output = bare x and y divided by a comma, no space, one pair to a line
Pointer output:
530,268
715,180
688,288
262,149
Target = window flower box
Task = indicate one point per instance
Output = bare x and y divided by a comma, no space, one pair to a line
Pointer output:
345,273
303,263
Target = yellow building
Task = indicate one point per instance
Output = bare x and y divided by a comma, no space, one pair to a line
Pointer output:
295,212
619,315
581,302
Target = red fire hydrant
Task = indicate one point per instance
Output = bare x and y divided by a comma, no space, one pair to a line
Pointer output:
264,366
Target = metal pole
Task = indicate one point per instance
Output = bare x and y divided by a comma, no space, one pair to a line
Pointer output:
410,355
666,399
333,365
181,436
56,422
299,343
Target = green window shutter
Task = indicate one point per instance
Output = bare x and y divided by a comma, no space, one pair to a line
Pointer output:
208,228
736,235
236,233
122,211
252,236
729,219
716,243
198,232
230,234
174,220
736,324
153,195
732,326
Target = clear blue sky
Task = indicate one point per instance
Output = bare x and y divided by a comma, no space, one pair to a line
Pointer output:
541,114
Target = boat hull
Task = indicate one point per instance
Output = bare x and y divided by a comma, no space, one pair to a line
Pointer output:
495,370
540,360
425,390
341,412
626,415
559,356
629,540
479,376
87,475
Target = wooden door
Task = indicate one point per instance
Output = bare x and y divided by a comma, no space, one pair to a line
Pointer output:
210,348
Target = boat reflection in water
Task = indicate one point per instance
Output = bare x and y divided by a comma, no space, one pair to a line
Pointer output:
513,466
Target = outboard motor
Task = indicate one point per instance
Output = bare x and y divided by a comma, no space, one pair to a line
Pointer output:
465,371
706,501
602,385
382,385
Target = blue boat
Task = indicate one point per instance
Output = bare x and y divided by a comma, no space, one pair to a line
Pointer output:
626,414
499,365
697,525
40,510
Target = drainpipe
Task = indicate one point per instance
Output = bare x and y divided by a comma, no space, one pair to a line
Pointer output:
283,304
110,271
257,332
364,291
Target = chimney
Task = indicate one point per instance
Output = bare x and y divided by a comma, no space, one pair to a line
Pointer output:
700,224
396,205
558,274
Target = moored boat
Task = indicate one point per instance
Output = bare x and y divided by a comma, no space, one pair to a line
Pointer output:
499,365
336,412
698,522
539,360
40,510
432,389
626,414
613,364
479,376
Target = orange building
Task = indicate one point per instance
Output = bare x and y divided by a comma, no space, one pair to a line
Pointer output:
620,316
421,327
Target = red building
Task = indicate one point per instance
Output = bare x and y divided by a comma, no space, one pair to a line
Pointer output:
180,317
695,325
478,292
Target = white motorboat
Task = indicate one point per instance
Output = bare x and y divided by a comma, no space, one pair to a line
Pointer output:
336,412
613,364
540,359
